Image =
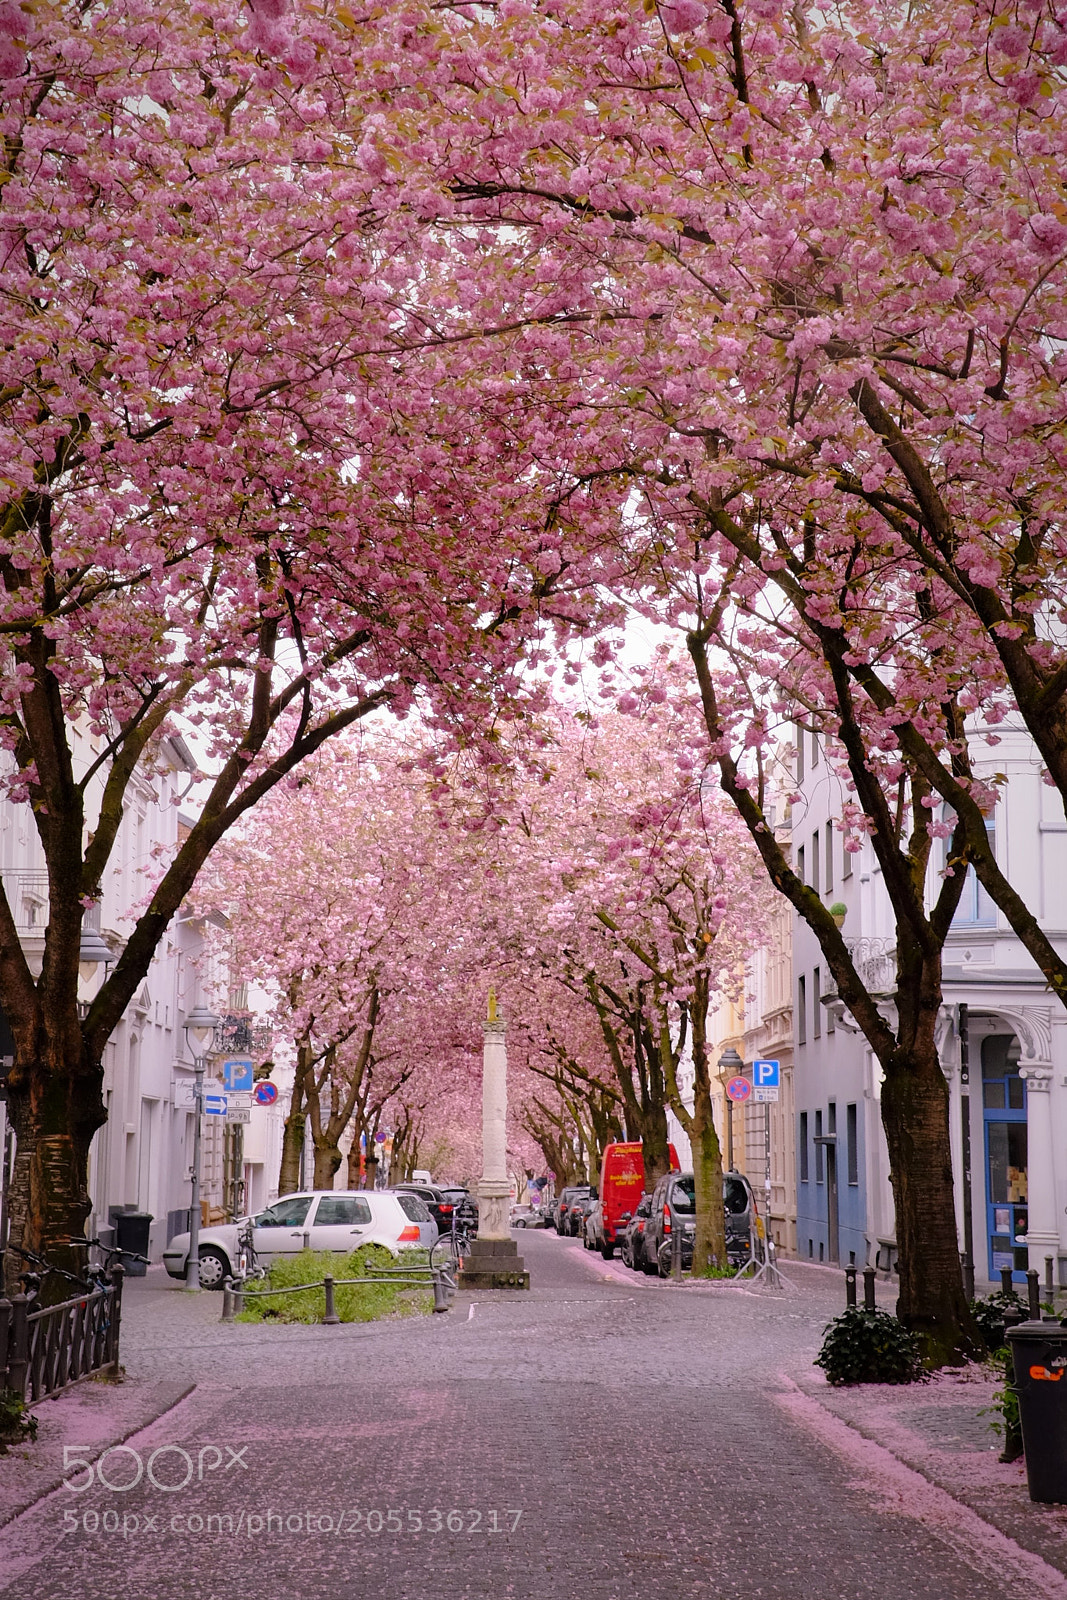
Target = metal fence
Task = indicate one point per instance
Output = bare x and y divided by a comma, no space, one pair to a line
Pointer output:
46,1348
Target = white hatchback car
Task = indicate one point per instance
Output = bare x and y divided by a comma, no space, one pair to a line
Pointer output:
324,1219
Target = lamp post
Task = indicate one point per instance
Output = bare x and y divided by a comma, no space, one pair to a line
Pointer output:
200,1027
93,952
730,1066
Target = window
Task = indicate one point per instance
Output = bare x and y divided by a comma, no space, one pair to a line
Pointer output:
413,1208
802,1011
801,864
815,862
286,1213
814,750
831,1119
852,1153
976,909
819,1147
341,1209
816,1008
846,863
683,1195
803,1142
829,885
800,754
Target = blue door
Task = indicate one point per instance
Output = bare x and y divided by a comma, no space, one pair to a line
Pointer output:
1004,1116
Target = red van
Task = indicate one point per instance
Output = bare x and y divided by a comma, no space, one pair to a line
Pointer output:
622,1183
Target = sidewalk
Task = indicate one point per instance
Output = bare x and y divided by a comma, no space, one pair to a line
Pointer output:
938,1429
86,1419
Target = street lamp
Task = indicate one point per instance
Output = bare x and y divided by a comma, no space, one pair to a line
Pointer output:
730,1065
200,1027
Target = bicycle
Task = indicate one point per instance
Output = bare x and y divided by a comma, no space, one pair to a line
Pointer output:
39,1269
98,1273
450,1249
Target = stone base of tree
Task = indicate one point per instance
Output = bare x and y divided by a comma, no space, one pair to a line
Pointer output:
493,1264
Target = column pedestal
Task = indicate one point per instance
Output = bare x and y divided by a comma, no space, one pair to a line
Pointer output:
493,1264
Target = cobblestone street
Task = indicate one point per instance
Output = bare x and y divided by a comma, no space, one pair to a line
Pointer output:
604,1436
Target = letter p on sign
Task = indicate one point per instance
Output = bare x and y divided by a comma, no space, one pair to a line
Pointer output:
766,1074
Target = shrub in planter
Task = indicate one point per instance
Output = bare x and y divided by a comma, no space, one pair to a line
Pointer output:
863,1346
17,1425
994,1312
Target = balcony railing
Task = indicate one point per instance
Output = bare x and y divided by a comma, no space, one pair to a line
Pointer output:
875,961
27,895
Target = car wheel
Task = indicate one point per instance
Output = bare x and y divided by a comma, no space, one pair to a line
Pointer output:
649,1267
607,1250
213,1267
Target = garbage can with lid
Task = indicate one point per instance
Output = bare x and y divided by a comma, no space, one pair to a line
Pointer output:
131,1234
1039,1356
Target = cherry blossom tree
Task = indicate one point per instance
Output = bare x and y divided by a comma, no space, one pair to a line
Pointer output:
263,473
824,303
636,893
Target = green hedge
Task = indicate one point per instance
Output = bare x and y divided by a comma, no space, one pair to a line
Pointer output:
352,1304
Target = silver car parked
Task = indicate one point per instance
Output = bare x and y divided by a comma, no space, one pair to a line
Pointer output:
322,1219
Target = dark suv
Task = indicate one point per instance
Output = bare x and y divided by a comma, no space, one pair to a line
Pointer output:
445,1204
563,1205
673,1208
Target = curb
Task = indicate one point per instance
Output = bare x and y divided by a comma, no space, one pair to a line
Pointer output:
163,1397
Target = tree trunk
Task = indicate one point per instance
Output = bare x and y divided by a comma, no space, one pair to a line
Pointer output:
327,1164
371,1165
352,1177
915,1104
292,1150
709,1244
655,1152
54,1112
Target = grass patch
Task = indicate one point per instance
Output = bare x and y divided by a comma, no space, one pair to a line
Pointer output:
353,1303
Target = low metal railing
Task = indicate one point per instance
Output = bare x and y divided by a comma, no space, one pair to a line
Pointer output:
44,1349
234,1293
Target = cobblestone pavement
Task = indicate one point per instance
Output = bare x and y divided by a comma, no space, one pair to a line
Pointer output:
599,1438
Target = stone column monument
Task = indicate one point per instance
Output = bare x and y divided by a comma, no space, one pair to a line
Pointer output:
494,1261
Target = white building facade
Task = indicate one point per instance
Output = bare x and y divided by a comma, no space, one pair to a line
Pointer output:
1002,1039
140,1159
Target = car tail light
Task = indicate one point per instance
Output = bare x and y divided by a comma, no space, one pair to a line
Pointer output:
666,1219
443,1207
410,1234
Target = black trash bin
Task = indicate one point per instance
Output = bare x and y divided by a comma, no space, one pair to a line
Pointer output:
131,1234
1039,1358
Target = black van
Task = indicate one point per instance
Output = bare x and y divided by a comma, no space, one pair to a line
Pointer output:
673,1207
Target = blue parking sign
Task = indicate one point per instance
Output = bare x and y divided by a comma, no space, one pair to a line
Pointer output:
237,1073
766,1074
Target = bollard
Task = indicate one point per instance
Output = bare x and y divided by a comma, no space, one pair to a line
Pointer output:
1049,1290
18,1350
850,1287
1033,1295
676,1253
227,1300
1005,1281
868,1289
331,1311
440,1293
967,1269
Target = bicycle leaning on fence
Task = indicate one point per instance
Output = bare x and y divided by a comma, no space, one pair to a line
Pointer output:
450,1249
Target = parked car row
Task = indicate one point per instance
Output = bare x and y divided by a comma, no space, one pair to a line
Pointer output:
328,1219
646,1237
